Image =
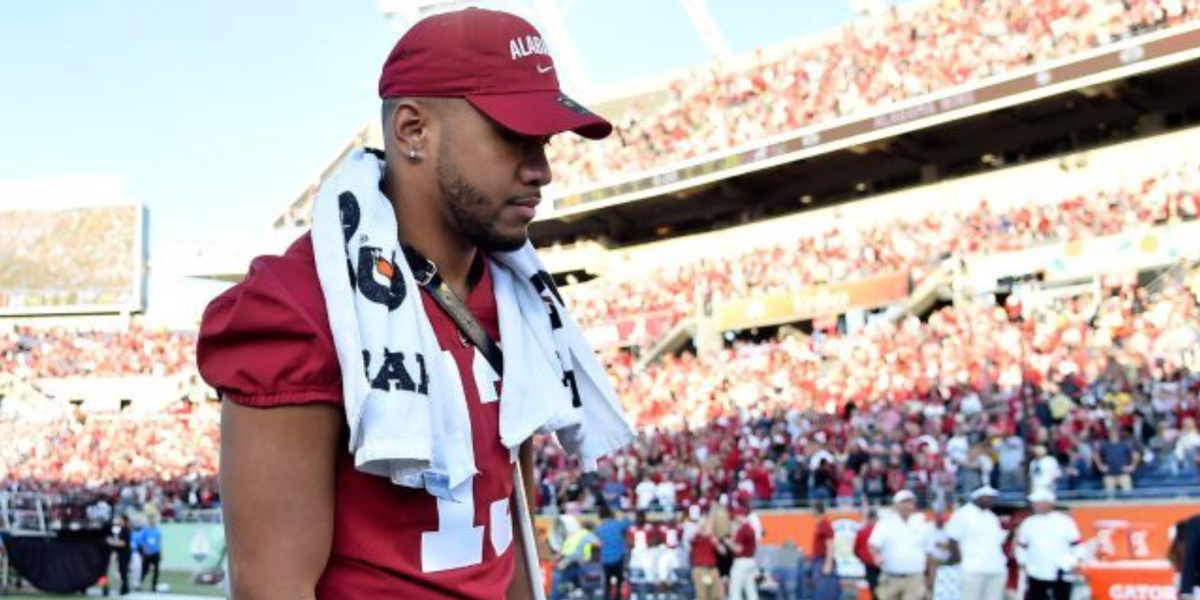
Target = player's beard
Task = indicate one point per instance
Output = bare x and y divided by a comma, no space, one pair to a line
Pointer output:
473,211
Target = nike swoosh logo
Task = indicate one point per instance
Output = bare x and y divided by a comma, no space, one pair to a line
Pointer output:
545,69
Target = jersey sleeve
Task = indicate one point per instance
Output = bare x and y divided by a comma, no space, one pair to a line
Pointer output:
826,531
266,341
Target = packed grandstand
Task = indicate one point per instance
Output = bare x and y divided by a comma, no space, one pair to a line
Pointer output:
835,415
880,59
976,386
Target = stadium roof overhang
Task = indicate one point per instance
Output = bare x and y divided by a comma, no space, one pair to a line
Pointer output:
1131,89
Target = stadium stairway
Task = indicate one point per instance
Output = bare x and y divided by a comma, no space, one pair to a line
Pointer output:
937,286
670,342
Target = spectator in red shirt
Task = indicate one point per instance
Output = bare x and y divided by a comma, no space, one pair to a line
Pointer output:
705,577
847,487
863,550
743,583
764,487
824,568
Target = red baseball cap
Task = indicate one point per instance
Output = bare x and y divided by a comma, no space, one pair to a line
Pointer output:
496,61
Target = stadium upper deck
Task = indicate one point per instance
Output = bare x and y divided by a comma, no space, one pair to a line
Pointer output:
895,69
881,59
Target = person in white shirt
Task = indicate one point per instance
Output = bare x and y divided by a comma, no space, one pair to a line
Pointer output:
645,492
958,446
977,542
901,544
1047,548
1187,446
665,492
1043,470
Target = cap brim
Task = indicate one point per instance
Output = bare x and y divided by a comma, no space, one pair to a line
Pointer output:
541,114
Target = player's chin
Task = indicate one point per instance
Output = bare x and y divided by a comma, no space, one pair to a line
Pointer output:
507,238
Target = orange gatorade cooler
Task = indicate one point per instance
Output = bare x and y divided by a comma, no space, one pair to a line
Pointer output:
1131,580
1141,540
1112,540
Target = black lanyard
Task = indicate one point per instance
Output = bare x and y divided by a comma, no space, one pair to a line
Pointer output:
427,276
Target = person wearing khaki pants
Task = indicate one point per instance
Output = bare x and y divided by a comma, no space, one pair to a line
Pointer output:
901,543
1117,460
903,587
705,577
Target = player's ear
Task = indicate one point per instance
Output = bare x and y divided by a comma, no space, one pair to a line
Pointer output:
407,126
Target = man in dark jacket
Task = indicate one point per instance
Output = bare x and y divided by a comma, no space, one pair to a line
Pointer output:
1185,556
119,541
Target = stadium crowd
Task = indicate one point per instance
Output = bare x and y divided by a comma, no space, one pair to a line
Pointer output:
129,459
47,352
877,60
829,416
978,393
855,249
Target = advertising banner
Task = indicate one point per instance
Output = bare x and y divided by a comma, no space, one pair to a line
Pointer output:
813,302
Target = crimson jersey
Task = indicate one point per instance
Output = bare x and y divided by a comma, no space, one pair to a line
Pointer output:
266,342
644,536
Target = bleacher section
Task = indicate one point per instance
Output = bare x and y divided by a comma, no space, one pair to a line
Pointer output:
1126,207
1111,340
881,59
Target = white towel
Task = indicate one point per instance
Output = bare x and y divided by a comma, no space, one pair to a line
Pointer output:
407,424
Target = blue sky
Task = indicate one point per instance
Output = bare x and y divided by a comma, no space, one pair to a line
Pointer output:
218,112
